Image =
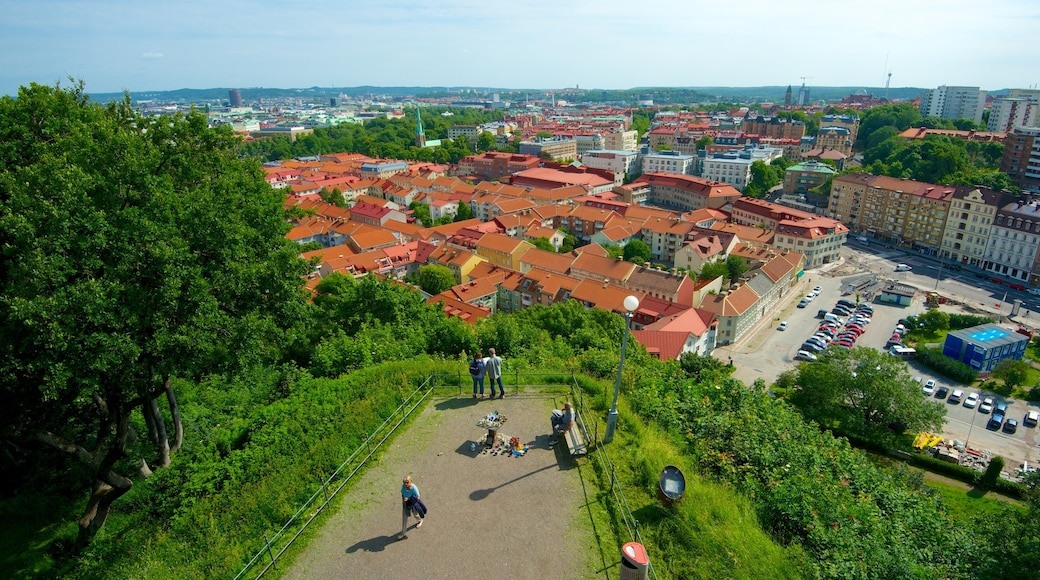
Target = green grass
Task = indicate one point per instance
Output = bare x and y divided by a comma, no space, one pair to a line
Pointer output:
966,504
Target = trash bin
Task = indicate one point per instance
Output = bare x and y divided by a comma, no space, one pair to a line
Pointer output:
635,563
671,485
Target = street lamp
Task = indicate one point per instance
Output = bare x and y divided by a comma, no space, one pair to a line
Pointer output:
631,303
967,439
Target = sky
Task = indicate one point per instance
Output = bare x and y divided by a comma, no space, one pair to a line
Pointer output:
135,45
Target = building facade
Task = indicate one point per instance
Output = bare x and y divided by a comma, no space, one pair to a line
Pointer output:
967,230
619,162
668,162
1021,159
1013,242
949,102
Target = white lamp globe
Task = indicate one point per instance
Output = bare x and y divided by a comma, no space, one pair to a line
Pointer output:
631,303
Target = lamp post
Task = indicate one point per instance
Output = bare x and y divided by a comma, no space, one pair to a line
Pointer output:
967,439
631,303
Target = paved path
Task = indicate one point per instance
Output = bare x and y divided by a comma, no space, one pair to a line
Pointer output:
491,516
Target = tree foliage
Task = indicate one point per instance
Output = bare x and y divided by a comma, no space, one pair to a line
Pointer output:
135,250
1012,372
435,279
863,392
637,251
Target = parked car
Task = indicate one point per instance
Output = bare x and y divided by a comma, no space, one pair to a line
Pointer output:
941,392
805,355
994,422
1016,286
803,303
929,387
818,289
1031,419
1034,291
847,303
986,406
811,347
903,268
970,402
1011,425
782,326
809,297
1000,408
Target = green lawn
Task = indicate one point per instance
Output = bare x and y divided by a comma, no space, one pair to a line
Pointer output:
964,504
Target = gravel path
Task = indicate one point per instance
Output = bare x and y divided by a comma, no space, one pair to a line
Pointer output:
491,516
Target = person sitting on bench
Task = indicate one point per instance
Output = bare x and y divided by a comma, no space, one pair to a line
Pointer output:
562,420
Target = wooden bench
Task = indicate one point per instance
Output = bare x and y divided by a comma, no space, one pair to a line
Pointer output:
575,440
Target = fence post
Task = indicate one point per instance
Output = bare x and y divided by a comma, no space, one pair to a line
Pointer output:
270,553
321,479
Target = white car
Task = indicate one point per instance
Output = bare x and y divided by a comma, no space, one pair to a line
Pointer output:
782,326
903,268
818,289
805,355
1034,291
971,401
929,387
986,406
810,297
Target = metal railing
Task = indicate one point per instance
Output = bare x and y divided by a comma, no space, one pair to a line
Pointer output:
275,546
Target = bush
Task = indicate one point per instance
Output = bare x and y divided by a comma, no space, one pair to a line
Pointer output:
1034,394
959,321
992,474
934,359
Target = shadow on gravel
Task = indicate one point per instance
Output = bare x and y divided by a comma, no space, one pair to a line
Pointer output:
480,494
376,544
459,402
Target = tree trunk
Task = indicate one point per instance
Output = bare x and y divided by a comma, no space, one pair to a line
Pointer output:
144,469
162,442
175,414
149,421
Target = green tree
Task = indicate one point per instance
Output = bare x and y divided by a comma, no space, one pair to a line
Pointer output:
332,196
570,241
421,211
136,250
933,321
615,252
543,135
735,267
864,392
712,270
704,142
464,213
435,279
543,243
636,251
1012,372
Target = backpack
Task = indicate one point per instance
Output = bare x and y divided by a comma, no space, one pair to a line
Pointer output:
474,367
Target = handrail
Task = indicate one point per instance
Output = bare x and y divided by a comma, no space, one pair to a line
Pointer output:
274,547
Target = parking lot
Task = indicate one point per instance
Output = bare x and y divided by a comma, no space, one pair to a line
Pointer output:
766,352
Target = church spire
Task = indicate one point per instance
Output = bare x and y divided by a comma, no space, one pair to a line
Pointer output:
420,135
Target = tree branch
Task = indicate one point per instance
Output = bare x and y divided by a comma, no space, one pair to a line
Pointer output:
62,444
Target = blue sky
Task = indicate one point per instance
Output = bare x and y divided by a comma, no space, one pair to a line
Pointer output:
115,45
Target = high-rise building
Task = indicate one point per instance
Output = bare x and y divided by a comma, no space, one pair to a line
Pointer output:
1022,157
1009,112
953,103
235,97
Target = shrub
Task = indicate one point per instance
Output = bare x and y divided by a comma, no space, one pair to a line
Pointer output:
992,474
934,359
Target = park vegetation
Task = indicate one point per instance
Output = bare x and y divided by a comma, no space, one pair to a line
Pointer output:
150,303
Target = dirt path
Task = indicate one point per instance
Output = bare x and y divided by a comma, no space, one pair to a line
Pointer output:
491,516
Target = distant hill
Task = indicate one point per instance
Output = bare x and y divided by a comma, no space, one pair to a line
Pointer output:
660,95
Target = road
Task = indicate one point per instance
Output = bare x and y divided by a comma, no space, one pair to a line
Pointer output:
765,352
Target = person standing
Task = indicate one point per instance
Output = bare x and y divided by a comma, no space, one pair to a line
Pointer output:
476,370
494,373
410,502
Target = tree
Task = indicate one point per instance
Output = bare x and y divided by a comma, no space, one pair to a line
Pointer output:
636,251
933,321
136,250
464,213
543,135
485,141
704,142
736,266
543,243
1013,372
615,252
570,241
421,211
435,279
712,270
864,392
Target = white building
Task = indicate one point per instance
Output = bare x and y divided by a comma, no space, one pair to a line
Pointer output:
668,162
621,140
1010,112
588,143
734,167
620,162
953,103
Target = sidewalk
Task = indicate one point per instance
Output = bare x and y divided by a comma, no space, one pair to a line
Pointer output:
490,515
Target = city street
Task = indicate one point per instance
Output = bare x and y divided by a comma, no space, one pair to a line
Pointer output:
765,352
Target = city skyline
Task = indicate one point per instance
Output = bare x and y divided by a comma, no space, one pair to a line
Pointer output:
116,45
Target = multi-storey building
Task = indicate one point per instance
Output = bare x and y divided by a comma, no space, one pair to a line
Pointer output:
495,164
1006,113
621,140
837,138
734,167
619,162
586,143
668,162
850,122
683,192
1013,242
805,176
967,230
555,149
1022,157
468,131
903,211
773,127
953,103
818,239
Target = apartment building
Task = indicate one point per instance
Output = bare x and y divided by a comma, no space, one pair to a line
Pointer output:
950,102
555,149
1013,242
617,161
1006,113
774,127
806,176
665,237
588,142
734,167
621,140
903,211
383,169
1022,157
495,164
967,231
837,138
668,162
468,131
684,192
818,239
850,122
